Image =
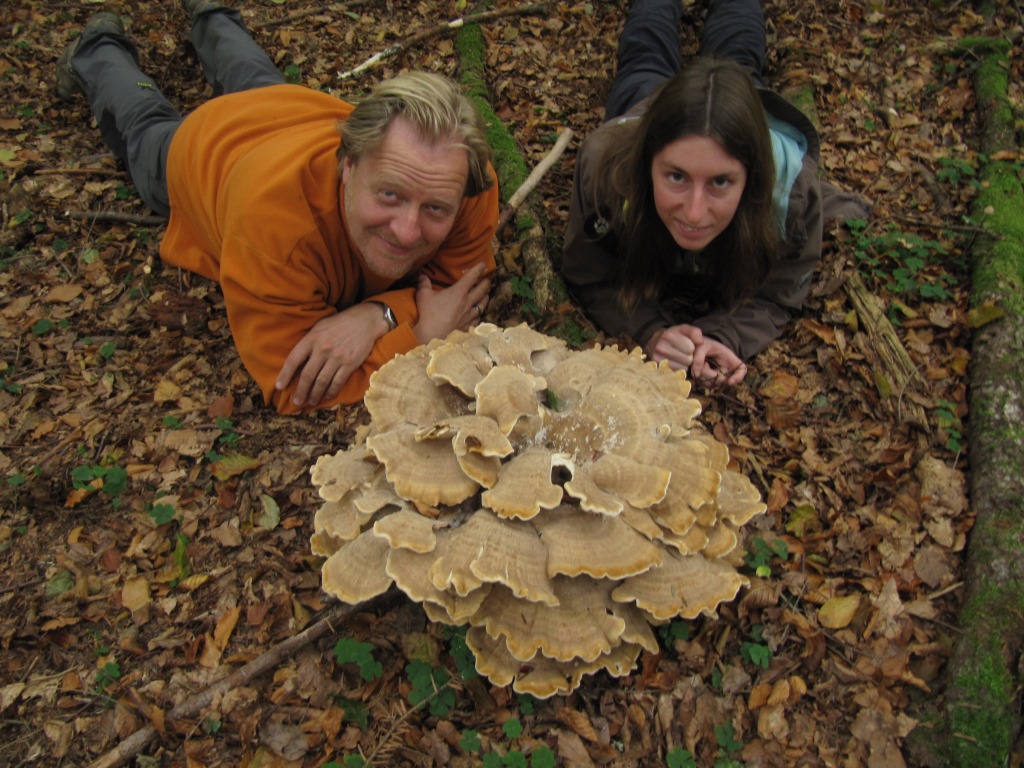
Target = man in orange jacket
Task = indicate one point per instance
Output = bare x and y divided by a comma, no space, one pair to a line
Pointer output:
341,235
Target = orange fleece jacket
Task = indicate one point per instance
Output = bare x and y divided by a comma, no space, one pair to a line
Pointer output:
256,204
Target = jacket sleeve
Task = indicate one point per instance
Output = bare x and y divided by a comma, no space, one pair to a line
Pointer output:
589,262
750,327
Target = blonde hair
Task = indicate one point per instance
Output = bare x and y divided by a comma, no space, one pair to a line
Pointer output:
435,108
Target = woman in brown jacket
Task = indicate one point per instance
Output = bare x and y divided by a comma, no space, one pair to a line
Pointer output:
696,216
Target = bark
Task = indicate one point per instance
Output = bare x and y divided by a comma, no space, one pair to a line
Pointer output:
983,698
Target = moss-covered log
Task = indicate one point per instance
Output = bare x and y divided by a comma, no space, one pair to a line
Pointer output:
982,705
512,169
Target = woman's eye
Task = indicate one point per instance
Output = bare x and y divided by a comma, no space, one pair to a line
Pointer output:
721,182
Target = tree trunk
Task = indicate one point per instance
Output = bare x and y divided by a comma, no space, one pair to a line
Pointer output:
982,704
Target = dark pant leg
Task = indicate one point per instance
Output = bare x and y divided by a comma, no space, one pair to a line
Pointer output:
231,59
648,53
134,118
734,29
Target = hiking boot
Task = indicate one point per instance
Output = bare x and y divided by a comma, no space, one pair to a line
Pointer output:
68,81
197,8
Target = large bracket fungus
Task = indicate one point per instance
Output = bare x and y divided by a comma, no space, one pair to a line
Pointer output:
557,502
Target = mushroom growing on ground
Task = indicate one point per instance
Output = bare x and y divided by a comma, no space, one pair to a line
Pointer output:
557,502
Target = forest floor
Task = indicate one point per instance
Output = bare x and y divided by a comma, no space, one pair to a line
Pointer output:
155,516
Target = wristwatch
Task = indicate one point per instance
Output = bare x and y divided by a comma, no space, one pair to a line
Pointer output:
389,316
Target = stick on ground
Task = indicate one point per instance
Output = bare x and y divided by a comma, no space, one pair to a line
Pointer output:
193,705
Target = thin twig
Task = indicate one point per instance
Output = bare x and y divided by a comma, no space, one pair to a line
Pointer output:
448,26
314,11
141,219
534,178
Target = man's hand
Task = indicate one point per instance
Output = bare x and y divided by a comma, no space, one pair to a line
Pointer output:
329,353
684,347
458,306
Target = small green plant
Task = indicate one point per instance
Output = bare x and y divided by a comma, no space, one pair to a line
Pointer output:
9,386
755,650
230,437
161,513
210,725
43,326
470,741
761,552
954,171
349,651
171,422
521,287
540,757
465,662
725,735
680,758
901,258
349,761
950,425
675,630
430,684
293,74
114,480
107,676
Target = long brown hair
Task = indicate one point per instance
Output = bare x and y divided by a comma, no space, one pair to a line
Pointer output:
716,99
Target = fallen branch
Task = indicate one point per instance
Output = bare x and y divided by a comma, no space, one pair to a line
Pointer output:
195,704
534,178
448,26
141,219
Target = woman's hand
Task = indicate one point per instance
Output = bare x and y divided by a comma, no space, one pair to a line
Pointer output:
676,344
715,365
709,362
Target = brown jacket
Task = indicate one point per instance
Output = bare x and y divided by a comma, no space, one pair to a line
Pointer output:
590,260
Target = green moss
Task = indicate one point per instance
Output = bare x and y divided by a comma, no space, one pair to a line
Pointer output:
999,266
508,160
981,723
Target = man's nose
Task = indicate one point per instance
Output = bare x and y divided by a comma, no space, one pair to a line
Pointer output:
406,226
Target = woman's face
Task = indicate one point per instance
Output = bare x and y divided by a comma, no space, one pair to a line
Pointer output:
697,189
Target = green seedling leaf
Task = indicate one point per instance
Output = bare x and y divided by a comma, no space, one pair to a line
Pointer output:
512,728
430,683
349,651
756,653
162,513
542,757
470,741
725,734
680,758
